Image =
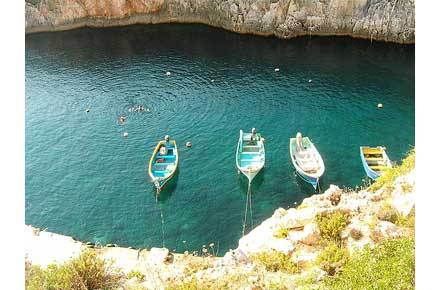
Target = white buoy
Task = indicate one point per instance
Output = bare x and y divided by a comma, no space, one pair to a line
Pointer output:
277,70
189,144
87,110
212,81
168,73
380,106
310,81
125,134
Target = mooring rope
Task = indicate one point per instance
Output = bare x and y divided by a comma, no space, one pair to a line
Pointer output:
163,232
245,211
161,218
250,206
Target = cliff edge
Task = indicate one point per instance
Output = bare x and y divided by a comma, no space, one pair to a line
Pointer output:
387,20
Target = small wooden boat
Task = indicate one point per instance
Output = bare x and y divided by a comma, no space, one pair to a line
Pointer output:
306,159
163,162
375,161
250,155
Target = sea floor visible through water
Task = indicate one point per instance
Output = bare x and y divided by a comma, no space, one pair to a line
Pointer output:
84,179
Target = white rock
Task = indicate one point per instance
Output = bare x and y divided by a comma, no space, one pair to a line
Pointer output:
158,256
311,234
280,212
389,230
303,257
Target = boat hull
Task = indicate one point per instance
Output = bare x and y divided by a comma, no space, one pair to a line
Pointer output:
167,166
312,178
251,162
370,172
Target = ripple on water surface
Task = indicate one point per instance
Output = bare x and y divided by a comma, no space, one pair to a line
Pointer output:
84,179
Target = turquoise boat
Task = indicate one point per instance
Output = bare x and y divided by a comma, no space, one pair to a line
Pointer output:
306,159
375,161
163,162
250,154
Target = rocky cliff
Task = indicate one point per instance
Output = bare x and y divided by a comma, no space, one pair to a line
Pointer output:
372,217
389,20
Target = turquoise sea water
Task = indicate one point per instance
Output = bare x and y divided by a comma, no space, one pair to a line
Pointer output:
84,179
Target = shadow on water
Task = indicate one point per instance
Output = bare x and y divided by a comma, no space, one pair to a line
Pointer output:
255,185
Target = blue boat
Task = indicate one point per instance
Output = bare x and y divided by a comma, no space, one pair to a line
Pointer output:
375,161
306,159
250,155
163,162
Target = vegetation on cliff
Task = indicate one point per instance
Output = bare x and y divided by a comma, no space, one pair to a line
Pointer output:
336,240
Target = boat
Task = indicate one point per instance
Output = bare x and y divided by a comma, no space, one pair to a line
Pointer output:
163,162
250,155
375,161
306,159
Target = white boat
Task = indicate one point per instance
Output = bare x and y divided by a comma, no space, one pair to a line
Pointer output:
306,159
250,155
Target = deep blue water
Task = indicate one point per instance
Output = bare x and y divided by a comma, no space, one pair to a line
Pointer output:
84,179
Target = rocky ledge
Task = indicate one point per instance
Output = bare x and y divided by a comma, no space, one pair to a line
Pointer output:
387,20
371,217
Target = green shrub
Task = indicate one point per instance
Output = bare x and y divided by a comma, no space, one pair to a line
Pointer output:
388,213
407,221
188,285
87,271
406,188
137,274
392,174
332,258
282,233
332,253
331,224
275,261
34,277
391,265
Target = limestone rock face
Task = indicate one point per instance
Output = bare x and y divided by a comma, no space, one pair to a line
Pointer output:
388,20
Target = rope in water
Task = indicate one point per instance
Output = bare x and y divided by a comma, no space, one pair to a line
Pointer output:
250,207
245,212
248,201
162,220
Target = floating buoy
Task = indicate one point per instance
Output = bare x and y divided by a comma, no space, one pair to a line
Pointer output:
212,81
310,81
122,119
189,144
125,134
380,106
87,110
168,73
277,70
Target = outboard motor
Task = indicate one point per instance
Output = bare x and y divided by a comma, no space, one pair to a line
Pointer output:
167,138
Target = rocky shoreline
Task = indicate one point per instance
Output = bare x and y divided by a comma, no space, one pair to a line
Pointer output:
382,20
294,233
